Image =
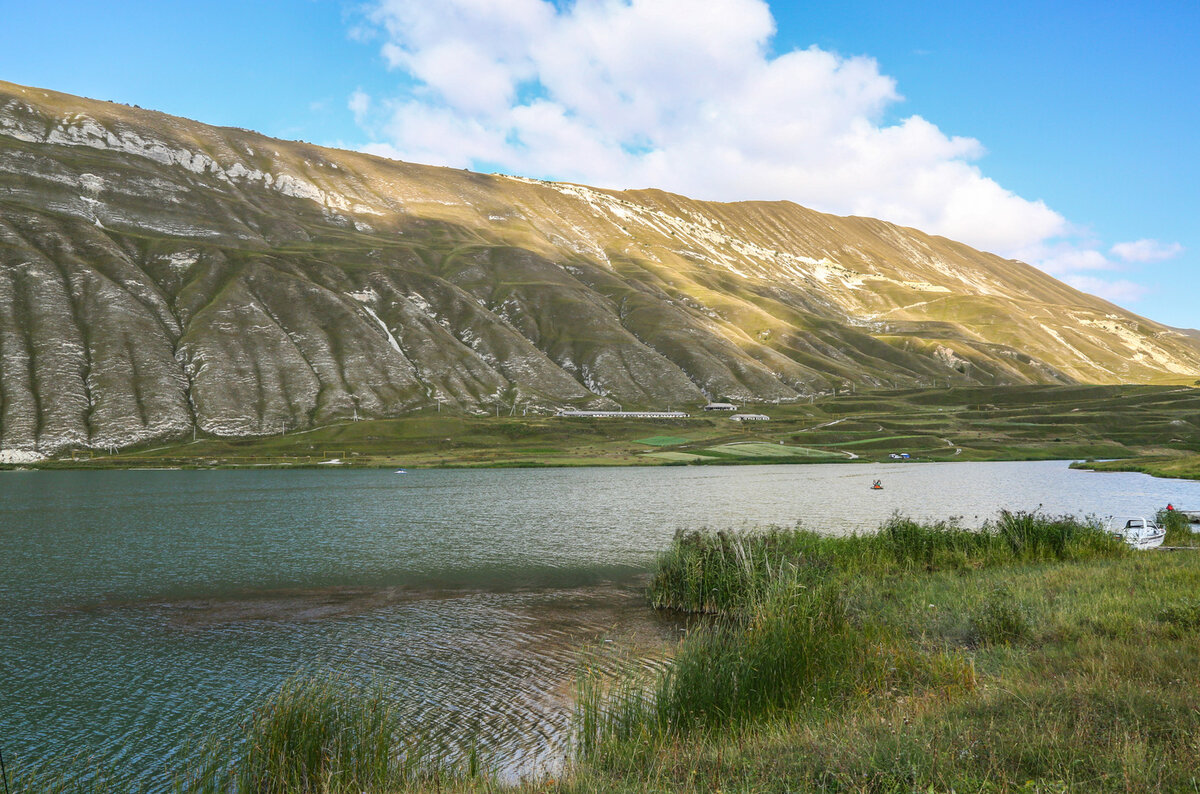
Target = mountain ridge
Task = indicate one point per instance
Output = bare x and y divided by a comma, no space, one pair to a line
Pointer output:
159,275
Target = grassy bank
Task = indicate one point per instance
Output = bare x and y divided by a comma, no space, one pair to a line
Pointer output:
1183,467
1039,654
1010,423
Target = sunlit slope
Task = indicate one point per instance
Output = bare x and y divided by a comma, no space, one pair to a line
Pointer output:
157,273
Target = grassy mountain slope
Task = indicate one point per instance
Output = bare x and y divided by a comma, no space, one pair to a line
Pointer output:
158,274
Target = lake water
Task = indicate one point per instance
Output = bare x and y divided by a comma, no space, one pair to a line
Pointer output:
141,610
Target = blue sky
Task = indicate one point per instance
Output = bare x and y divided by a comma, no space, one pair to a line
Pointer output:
1063,133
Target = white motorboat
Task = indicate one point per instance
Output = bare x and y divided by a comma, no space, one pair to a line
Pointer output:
1140,533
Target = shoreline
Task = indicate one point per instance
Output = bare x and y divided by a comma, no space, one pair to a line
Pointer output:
1003,423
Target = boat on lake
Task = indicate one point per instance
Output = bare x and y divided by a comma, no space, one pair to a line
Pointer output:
1140,533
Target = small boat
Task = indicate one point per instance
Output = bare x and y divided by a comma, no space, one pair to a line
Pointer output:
1140,533
401,471
877,486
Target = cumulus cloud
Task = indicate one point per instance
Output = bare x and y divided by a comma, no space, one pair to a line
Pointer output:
1121,291
359,104
1146,251
1062,258
689,97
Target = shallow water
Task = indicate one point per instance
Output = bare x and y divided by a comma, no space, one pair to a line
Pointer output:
141,610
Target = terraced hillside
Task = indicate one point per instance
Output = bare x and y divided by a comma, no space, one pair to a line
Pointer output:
160,276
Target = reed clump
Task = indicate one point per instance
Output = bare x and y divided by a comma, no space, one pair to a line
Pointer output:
720,572
329,736
1178,529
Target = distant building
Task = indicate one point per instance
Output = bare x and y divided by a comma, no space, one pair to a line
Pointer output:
625,414
720,407
750,418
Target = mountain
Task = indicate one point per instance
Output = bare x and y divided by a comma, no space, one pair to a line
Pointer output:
157,274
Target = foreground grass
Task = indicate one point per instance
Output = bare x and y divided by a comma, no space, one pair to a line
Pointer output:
1037,655
313,736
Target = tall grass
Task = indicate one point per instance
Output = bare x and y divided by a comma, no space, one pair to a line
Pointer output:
312,736
781,639
1179,531
327,736
722,572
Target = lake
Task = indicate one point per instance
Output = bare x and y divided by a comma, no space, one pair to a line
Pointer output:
142,610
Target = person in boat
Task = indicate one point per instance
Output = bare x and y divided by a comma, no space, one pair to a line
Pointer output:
877,485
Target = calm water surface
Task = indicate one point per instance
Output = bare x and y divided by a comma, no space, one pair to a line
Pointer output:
141,610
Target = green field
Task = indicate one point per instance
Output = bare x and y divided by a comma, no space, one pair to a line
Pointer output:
762,449
678,457
1014,423
663,441
1184,467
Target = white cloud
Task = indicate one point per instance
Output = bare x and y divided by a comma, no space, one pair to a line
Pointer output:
1063,258
1146,251
1120,292
688,97
359,104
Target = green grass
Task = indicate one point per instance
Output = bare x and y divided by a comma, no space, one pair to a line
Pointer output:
663,441
681,457
721,572
759,449
1040,655
960,424
1185,467
312,736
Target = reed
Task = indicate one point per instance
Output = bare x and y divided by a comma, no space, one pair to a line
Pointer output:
1179,531
1038,654
723,572
795,647
329,736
